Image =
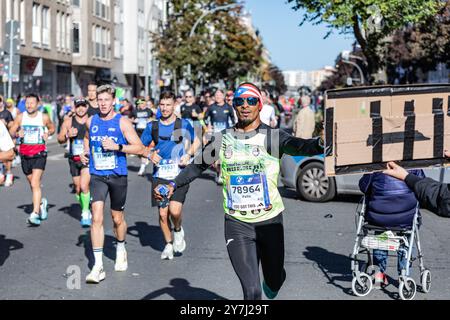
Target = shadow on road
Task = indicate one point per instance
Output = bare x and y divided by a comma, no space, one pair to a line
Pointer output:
28,208
335,267
74,211
6,246
149,236
180,289
288,193
109,248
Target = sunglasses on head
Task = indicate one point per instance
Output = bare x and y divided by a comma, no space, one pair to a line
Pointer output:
251,101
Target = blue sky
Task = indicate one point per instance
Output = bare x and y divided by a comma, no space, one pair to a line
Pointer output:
292,47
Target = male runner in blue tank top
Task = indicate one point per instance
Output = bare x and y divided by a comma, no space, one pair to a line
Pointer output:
109,137
175,145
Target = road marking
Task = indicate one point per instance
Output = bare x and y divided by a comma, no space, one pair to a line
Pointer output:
56,157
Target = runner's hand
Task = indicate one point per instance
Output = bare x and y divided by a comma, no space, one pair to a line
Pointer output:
447,153
155,158
73,132
184,162
21,133
394,170
84,157
45,136
110,145
159,197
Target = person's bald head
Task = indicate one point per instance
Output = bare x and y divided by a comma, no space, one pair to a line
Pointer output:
306,101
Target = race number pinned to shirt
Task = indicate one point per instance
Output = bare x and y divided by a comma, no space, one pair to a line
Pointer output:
168,169
141,120
32,135
248,192
104,160
220,126
141,124
77,147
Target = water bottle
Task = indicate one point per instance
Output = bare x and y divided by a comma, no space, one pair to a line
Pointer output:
164,192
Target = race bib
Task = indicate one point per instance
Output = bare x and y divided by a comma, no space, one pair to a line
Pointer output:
141,124
32,135
220,126
248,192
104,160
77,147
168,169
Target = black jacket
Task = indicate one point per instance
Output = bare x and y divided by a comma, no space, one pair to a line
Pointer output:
431,194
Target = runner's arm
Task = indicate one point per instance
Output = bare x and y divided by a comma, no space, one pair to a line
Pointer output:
6,145
49,124
135,145
203,161
15,126
62,136
86,136
299,147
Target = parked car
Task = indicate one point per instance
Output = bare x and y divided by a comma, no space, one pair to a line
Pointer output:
307,176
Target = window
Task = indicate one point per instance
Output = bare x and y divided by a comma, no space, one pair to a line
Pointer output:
76,38
63,31
8,10
36,24
67,35
58,30
22,21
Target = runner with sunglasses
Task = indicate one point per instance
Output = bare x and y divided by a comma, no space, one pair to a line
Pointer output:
219,117
250,154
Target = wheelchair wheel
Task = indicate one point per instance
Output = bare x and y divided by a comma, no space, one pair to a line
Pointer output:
425,280
404,292
362,286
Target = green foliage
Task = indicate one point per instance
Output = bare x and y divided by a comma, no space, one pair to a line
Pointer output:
360,18
221,47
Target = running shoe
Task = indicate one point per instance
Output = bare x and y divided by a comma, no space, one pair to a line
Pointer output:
44,207
34,219
9,180
121,264
86,219
168,252
179,244
380,280
96,275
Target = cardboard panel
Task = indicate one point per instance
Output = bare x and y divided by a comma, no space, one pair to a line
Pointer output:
370,126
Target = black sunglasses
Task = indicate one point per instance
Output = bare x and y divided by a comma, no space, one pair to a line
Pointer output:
251,101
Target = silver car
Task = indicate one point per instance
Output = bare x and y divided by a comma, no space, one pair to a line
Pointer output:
307,176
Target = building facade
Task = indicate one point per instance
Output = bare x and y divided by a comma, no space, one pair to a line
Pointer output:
67,44
45,44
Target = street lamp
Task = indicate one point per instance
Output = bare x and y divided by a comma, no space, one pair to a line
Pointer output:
191,34
346,59
150,15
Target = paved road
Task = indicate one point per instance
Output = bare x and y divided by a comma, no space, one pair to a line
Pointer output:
35,262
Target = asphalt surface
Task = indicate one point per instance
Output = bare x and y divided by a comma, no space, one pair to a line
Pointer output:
52,261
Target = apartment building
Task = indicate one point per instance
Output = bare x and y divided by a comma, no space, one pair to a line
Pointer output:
46,45
93,50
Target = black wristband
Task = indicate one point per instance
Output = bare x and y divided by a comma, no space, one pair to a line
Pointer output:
120,147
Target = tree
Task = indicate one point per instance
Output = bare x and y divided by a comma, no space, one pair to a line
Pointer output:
419,48
221,48
371,21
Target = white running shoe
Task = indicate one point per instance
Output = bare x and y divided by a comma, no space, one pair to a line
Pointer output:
121,261
96,275
9,180
141,170
219,180
168,252
179,244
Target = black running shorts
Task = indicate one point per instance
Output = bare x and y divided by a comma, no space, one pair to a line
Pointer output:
34,162
115,185
76,167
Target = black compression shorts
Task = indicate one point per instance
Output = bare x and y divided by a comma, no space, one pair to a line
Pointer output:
115,185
